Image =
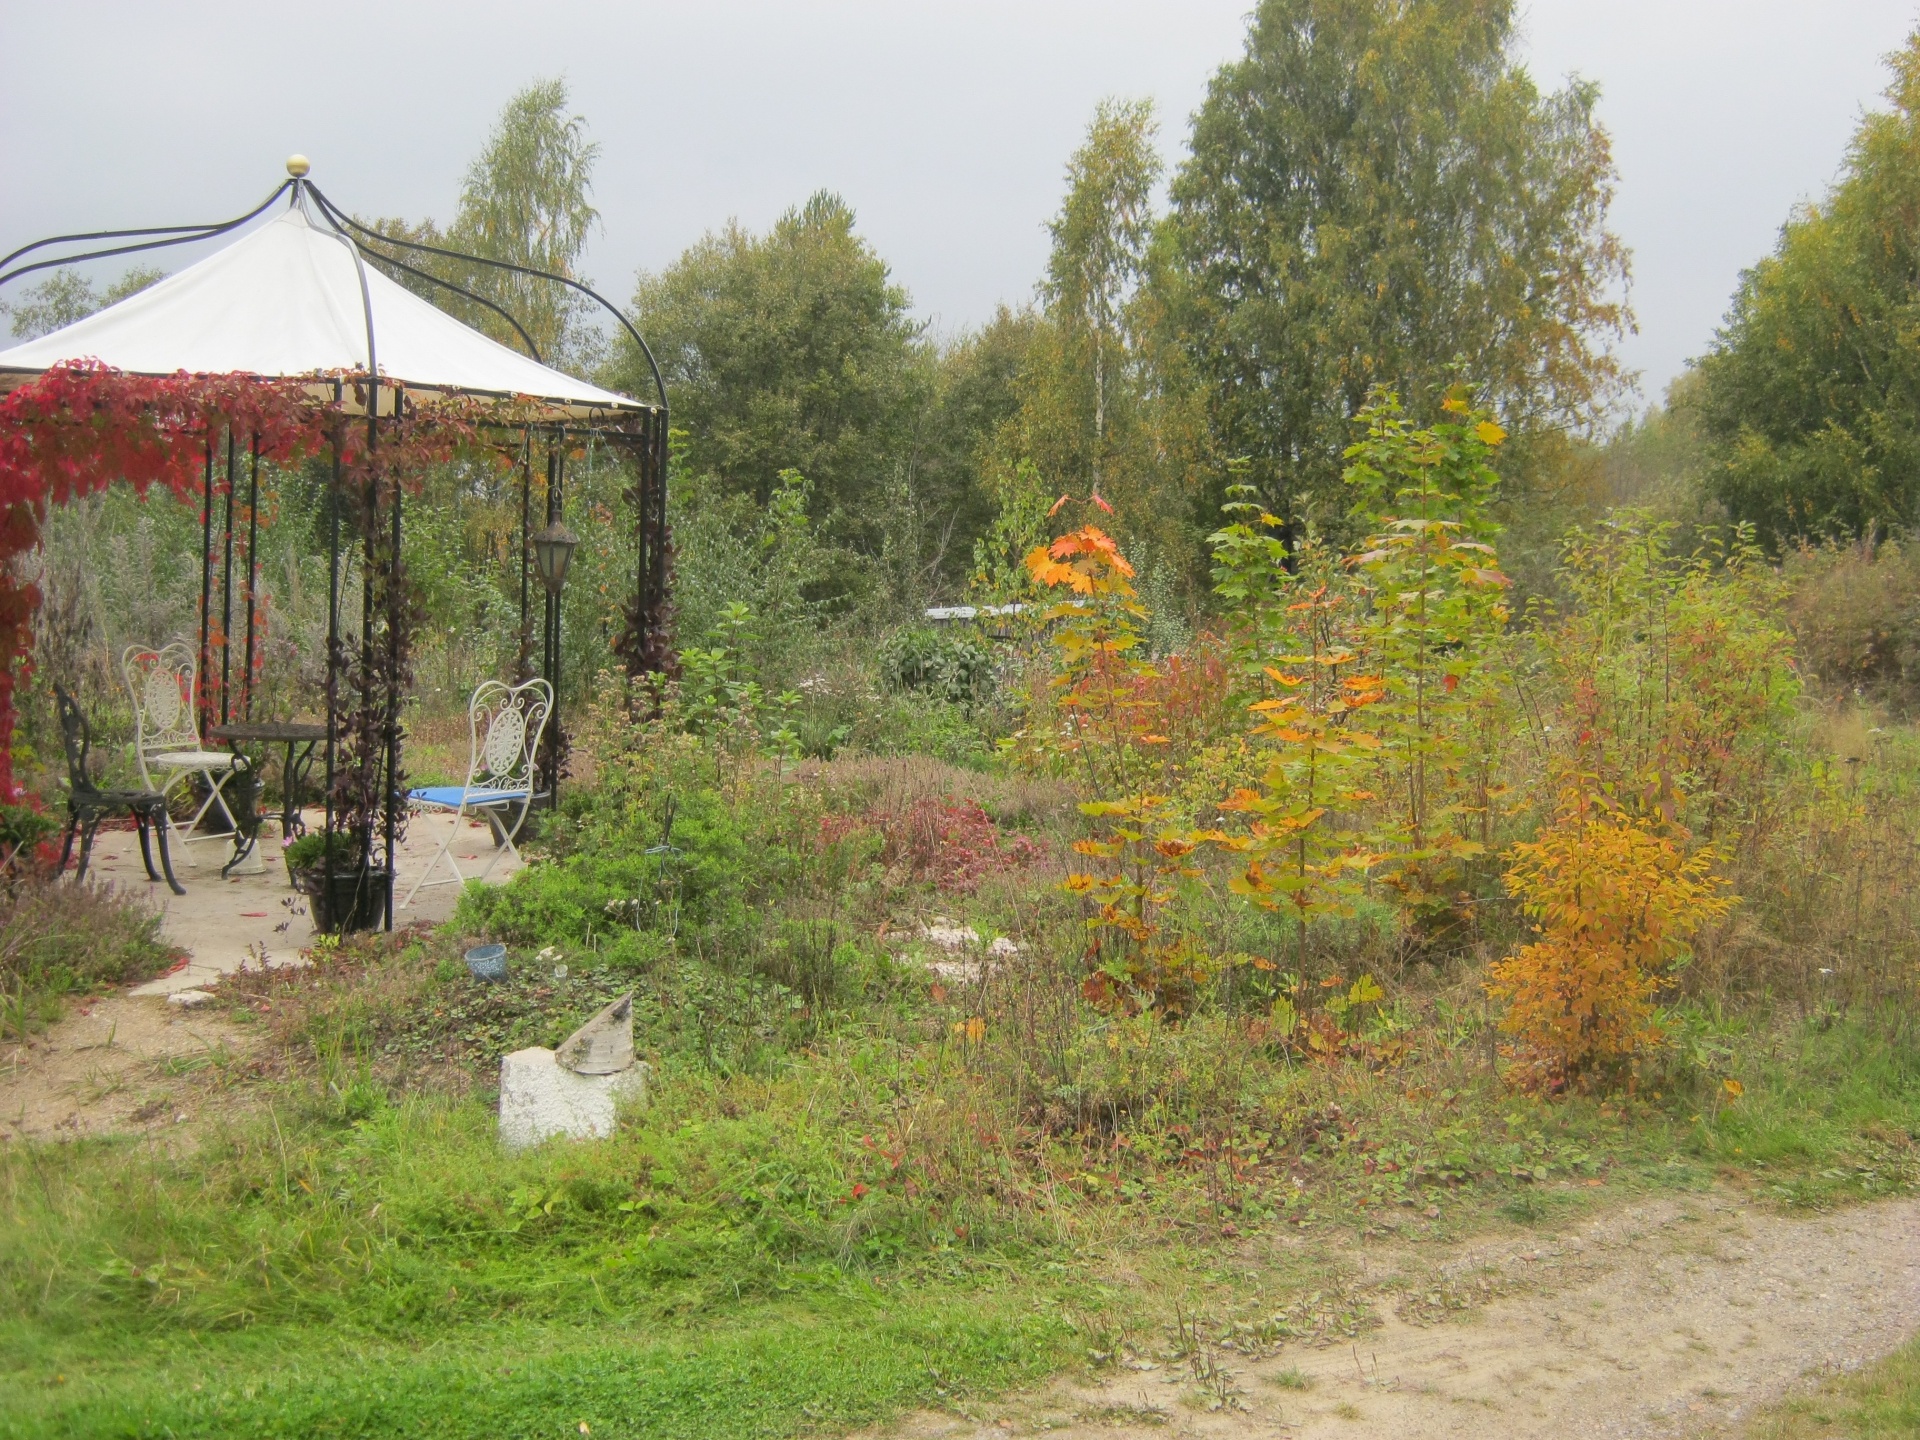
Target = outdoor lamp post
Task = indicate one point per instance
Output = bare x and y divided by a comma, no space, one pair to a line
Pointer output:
553,551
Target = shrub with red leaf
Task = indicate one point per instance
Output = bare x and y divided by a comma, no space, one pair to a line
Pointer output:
951,842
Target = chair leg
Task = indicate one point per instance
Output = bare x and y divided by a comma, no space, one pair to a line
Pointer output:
216,795
87,831
141,823
174,779
66,845
426,876
217,782
166,859
503,839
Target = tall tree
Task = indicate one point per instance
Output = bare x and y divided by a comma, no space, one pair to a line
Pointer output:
1093,395
1379,195
791,350
525,200
1100,240
1811,392
979,385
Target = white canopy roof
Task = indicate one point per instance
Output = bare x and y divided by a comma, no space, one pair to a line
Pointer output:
284,300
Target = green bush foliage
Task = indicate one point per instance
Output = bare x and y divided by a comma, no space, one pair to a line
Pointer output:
946,664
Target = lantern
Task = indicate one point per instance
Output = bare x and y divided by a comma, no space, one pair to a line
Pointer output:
552,553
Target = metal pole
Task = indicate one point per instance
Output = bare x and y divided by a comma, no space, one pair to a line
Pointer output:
643,600
395,606
556,475
333,640
202,713
526,534
253,572
661,455
649,639
226,595
364,699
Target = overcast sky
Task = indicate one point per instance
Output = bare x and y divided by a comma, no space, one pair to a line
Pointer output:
945,123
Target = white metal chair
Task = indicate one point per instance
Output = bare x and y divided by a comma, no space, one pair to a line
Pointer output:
167,735
504,723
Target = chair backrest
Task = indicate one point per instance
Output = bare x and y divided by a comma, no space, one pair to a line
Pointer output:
77,736
505,723
161,683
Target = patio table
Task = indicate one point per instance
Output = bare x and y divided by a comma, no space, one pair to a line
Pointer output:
300,737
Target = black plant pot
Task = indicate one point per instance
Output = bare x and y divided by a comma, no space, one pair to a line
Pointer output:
352,902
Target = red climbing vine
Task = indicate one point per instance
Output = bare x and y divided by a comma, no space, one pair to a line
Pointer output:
82,427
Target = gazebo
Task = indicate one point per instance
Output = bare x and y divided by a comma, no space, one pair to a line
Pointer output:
291,341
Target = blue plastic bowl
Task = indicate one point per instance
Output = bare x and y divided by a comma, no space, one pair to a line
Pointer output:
487,962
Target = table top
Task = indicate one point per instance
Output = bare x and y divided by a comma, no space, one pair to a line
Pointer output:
268,731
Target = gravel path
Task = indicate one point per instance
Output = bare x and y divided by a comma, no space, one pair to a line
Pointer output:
1667,1318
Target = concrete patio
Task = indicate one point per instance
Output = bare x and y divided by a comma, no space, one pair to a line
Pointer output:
260,919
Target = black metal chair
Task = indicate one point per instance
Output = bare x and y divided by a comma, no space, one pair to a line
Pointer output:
88,804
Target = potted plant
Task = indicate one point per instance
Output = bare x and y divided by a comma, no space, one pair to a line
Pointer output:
327,866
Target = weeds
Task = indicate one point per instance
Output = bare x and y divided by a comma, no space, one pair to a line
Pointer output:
57,941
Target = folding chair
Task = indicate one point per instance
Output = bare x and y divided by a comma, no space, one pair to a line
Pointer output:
504,723
166,734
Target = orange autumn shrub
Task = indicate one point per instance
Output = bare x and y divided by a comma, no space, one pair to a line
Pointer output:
1127,725
1616,901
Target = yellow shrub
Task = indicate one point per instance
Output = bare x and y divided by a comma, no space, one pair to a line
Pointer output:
1616,901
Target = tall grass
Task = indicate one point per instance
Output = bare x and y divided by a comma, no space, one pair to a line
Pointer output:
59,939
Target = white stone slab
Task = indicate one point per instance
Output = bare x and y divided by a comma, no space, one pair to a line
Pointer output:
540,1098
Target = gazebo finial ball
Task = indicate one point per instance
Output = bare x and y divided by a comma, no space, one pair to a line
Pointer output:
298,165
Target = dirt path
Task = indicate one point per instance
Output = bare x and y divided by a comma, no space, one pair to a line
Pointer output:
1670,1318
120,1063
129,1061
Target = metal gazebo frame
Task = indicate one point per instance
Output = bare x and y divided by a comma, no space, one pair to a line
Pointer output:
640,433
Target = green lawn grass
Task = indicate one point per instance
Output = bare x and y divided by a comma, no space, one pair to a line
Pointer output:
1881,1402
830,1366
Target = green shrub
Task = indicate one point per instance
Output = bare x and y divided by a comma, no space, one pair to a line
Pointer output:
946,664
689,866
314,848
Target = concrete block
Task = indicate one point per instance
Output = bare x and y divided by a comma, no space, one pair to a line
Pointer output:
540,1098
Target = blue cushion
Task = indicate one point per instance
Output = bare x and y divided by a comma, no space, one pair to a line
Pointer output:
449,796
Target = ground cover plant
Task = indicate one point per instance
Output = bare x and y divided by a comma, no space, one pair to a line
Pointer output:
55,946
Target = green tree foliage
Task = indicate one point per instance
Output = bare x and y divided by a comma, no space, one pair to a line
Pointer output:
1086,371
1379,195
1089,414
1812,389
66,296
525,201
979,389
791,350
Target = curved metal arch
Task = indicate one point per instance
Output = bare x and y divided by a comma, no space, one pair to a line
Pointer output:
333,213
366,307
180,235
432,279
